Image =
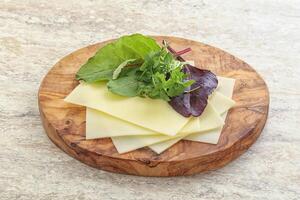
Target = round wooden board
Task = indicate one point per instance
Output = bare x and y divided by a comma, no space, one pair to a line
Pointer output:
65,123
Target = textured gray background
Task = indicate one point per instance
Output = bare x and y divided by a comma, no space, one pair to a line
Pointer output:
36,34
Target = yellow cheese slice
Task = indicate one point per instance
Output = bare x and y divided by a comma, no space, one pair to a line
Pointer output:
162,146
209,119
220,102
101,125
210,136
226,86
156,115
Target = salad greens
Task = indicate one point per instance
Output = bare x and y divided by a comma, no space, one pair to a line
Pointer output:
159,77
136,65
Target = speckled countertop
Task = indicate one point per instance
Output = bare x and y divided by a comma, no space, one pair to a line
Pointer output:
36,34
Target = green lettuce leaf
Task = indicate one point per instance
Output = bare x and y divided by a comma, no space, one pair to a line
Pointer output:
102,65
126,85
118,70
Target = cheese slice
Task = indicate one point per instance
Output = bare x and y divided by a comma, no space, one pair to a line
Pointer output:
152,114
101,125
162,146
209,120
226,86
210,136
220,102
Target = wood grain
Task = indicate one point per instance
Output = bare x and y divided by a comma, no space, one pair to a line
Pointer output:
65,123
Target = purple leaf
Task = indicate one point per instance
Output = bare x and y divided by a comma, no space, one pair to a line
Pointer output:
194,100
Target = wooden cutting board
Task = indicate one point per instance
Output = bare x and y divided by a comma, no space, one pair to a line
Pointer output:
64,123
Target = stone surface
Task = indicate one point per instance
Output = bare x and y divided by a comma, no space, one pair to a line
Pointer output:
35,34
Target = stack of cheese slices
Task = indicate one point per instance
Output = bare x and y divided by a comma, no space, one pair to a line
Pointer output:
134,122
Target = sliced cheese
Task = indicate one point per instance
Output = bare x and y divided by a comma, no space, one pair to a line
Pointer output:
162,146
226,86
220,102
209,120
211,136
145,112
88,97
101,125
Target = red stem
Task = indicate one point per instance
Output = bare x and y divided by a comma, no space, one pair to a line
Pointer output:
179,53
174,53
